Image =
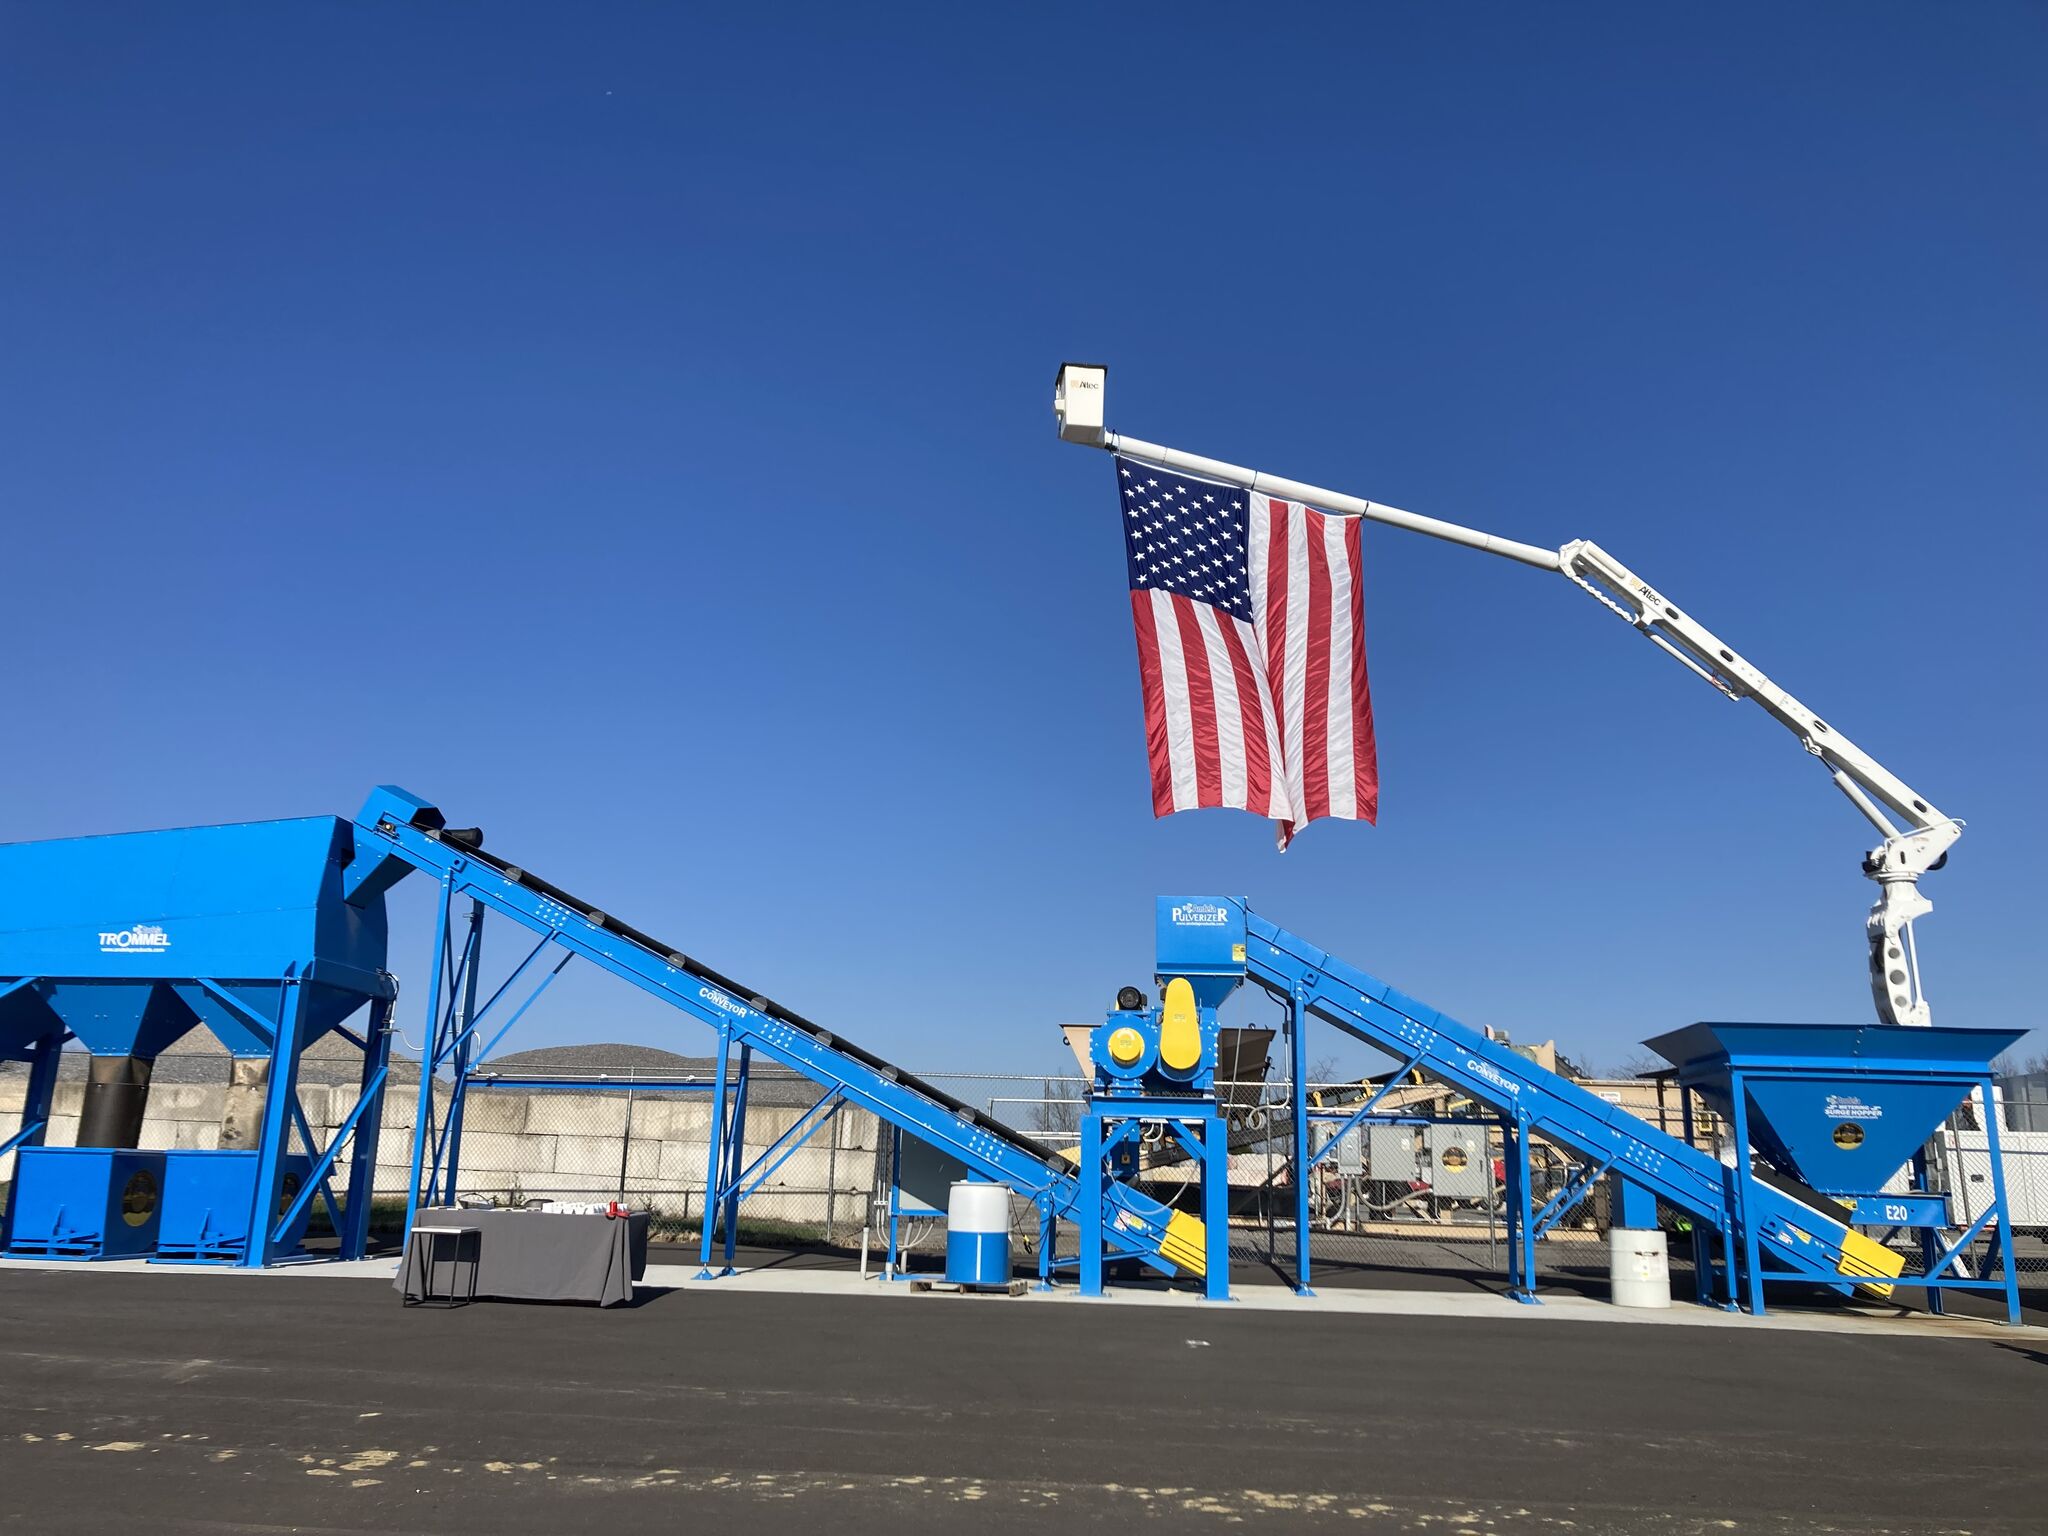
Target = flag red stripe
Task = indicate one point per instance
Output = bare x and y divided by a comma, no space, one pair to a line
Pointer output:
1258,768
1275,616
1201,703
1155,704
1365,759
1315,707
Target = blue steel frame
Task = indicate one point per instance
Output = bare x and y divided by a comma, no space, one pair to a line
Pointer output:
399,828
284,1115
35,1111
1520,1220
270,1219
1648,1166
1992,1223
455,1021
1202,1130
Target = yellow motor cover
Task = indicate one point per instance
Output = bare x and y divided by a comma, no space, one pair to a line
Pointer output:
1180,1028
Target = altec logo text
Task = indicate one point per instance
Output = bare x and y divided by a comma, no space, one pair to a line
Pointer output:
1200,914
142,936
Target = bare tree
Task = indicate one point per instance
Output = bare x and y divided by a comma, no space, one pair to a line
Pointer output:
1637,1064
1059,1107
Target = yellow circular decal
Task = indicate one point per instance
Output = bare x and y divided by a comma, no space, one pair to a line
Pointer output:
1126,1045
1849,1136
138,1198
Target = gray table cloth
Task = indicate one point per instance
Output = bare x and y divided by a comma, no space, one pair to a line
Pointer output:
542,1255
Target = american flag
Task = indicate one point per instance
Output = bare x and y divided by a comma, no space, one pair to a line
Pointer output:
1251,648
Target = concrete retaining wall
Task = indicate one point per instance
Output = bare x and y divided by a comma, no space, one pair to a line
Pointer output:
523,1143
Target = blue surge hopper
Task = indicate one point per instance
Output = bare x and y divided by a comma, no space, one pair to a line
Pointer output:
262,931
1841,1107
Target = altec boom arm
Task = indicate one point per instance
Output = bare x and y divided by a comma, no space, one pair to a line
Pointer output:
1915,835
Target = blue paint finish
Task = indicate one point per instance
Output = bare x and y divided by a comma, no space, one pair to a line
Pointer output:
398,826
1201,938
1773,1228
133,939
1634,1207
1900,1210
978,1258
238,901
1845,1134
130,941
85,1203
1841,1106
208,1198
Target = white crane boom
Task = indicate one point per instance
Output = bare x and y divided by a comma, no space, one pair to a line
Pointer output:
1914,843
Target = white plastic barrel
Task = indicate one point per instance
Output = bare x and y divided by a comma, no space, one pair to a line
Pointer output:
978,1234
1640,1267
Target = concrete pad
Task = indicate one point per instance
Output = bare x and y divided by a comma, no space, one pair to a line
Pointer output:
780,1280
1368,1303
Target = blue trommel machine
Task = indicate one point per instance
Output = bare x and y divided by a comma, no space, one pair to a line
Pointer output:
271,934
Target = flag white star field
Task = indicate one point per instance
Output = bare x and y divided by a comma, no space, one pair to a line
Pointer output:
1251,649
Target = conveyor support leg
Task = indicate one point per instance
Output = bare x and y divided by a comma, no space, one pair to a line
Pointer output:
714,1161
1521,1216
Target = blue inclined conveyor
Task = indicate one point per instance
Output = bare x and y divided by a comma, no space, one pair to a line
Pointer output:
398,832
1798,1232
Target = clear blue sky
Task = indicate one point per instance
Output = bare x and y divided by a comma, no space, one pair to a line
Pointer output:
631,427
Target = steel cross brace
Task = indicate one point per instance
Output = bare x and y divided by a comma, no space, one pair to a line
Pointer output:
317,1179
785,1145
26,1135
474,1021
265,1029
1956,1248
1358,1117
1574,1190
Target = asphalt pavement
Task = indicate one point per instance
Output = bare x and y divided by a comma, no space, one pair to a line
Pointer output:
189,1403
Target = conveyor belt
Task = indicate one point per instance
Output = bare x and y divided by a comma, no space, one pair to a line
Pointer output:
415,833
673,956
1798,1230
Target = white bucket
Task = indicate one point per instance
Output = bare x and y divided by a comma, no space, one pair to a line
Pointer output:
1640,1267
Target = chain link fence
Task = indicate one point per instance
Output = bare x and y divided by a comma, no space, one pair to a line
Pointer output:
1415,1201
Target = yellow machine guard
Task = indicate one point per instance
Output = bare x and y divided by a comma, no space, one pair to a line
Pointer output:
1866,1256
1186,1246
